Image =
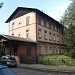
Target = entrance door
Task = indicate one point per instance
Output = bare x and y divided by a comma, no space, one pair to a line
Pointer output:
28,51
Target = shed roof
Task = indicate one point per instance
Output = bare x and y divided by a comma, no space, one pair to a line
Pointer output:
15,38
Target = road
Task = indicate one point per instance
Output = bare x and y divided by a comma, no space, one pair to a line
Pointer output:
21,71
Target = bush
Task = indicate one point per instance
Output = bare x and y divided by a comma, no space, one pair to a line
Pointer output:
28,60
56,60
72,53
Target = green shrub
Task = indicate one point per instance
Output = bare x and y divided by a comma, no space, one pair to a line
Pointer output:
28,60
57,60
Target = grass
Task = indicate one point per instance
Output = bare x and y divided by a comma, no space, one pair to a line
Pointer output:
57,60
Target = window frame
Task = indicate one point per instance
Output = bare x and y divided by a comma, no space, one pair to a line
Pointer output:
27,20
39,33
13,25
45,35
27,33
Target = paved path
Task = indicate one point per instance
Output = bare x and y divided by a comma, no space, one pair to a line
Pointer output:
22,71
48,68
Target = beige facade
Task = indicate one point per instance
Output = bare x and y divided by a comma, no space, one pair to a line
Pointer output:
47,33
18,27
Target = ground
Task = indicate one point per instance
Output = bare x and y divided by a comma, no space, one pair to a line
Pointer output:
23,71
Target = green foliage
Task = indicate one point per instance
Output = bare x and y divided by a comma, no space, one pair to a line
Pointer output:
1,4
72,53
57,60
2,49
68,20
28,60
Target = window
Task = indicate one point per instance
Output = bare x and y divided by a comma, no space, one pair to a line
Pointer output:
27,20
62,39
13,25
39,20
50,25
45,23
18,34
50,36
12,34
57,38
46,48
39,33
19,23
54,38
45,35
27,33
40,48
54,27
50,50
28,51
58,29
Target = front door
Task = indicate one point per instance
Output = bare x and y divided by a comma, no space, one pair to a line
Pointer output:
28,51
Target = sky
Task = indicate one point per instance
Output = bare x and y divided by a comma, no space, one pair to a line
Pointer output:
53,8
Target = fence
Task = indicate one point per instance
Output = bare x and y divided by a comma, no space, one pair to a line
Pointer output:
59,61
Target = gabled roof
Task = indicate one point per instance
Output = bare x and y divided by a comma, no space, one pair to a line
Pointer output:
23,10
15,38
20,11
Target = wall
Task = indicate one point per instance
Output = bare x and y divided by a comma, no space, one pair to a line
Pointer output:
20,26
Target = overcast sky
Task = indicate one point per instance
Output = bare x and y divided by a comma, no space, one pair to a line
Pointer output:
54,8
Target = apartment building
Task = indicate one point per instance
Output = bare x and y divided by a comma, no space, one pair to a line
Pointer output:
39,27
33,33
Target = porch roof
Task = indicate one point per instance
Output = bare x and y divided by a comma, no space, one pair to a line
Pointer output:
15,38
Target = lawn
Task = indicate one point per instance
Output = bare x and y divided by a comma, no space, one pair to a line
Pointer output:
58,60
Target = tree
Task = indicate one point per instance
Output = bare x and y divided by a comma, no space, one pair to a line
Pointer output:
1,4
68,20
1,47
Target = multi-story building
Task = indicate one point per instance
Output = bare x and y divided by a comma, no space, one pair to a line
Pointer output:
38,26
30,23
